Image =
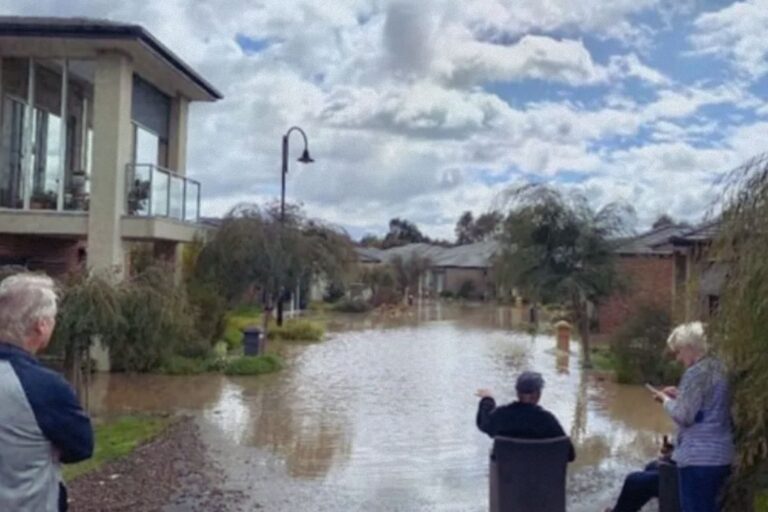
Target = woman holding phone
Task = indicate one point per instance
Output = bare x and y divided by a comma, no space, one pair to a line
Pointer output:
700,407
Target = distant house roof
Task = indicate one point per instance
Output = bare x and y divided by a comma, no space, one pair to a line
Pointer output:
369,254
477,255
89,28
700,234
214,222
655,241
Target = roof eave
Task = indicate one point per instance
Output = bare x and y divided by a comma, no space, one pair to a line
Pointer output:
116,31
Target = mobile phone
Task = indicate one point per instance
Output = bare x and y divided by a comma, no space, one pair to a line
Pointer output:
652,389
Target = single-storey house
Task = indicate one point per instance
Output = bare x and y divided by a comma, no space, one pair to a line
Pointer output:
464,268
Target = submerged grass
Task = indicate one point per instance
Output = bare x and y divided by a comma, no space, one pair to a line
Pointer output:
253,365
297,330
116,439
603,359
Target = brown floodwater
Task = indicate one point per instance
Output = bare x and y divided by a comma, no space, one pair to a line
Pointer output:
380,417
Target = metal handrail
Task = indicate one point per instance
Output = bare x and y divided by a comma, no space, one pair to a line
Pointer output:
146,198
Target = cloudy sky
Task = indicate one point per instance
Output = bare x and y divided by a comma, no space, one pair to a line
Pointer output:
426,108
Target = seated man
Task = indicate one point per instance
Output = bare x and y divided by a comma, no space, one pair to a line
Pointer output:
523,419
641,487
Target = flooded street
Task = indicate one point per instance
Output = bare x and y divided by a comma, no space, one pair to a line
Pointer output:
380,417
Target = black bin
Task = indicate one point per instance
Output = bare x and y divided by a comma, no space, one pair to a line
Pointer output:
252,341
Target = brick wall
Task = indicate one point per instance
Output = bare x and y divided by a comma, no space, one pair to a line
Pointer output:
455,278
56,256
650,280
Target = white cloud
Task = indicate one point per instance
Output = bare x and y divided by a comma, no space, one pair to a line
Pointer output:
736,33
468,61
500,19
630,65
391,95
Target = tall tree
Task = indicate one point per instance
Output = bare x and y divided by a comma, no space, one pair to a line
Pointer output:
465,228
402,232
663,221
370,240
557,249
486,226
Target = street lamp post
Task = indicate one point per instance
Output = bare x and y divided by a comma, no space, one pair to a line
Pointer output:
305,159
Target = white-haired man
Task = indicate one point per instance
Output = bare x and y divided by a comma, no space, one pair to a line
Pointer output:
41,421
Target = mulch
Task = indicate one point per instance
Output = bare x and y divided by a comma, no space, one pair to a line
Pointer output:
171,473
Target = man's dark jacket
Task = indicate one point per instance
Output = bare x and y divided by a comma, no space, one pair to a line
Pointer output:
41,425
519,420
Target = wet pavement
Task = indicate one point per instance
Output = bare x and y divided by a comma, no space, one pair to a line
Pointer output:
380,417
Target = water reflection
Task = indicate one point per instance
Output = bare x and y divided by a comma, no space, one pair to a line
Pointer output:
381,416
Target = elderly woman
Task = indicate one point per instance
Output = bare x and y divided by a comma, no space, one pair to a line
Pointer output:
701,409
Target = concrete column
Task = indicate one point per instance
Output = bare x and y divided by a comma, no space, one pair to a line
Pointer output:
112,150
177,143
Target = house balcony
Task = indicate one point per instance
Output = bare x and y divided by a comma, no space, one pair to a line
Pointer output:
161,204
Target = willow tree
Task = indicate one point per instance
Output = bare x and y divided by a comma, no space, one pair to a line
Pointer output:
556,249
255,252
89,309
740,329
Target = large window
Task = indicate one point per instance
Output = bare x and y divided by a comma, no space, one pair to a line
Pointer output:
11,192
46,160
46,132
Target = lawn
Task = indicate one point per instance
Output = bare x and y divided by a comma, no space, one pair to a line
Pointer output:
116,439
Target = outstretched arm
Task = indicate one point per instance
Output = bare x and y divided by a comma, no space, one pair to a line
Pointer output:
486,416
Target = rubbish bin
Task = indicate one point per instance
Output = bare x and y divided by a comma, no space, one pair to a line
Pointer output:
252,341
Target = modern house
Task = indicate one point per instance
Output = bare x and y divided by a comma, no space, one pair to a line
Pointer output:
93,143
454,270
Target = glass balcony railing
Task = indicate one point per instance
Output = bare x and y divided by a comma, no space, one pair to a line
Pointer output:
156,192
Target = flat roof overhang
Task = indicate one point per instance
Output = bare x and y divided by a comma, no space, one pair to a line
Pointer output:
59,38
75,225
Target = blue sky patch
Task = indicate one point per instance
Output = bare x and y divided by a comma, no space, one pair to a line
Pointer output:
251,45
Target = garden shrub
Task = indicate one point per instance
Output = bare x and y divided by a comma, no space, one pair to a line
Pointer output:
156,322
446,294
253,365
297,330
333,292
352,306
210,310
238,320
466,290
386,296
639,348
180,365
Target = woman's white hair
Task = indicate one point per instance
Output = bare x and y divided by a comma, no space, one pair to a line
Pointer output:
24,300
688,335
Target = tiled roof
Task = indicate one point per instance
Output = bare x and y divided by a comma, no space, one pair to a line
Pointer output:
655,241
702,233
477,255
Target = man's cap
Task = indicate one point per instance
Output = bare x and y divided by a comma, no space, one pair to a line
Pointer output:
529,383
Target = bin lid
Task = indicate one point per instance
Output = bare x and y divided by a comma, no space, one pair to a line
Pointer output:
251,330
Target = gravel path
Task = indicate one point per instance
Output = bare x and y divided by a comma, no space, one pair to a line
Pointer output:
169,474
